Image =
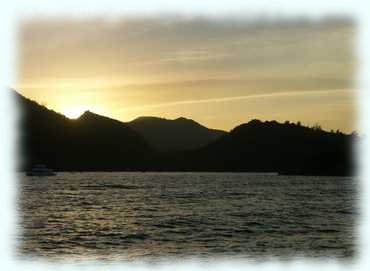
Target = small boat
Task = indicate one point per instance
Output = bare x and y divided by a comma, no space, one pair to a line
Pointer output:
41,170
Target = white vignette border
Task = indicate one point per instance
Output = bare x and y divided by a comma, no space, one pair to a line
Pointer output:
12,11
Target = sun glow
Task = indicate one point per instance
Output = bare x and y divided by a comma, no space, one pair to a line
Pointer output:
73,112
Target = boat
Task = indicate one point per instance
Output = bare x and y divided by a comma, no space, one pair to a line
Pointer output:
40,170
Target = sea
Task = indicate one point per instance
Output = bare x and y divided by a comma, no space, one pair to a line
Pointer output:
146,216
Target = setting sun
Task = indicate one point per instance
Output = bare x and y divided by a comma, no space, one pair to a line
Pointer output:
73,112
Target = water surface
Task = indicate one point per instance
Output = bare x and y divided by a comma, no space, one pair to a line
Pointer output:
125,216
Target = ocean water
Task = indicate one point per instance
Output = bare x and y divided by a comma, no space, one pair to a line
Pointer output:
149,216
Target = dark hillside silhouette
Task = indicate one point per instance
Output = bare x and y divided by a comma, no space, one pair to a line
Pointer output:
91,142
174,135
97,143
272,147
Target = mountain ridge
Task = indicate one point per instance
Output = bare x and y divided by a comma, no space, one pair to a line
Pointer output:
98,143
174,134
90,142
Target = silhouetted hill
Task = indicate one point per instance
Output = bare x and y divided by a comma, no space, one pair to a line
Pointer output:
91,142
273,147
97,143
173,135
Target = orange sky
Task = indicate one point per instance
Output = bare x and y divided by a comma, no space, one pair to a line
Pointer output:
219,72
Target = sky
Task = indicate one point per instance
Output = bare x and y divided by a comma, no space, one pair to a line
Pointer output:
220,72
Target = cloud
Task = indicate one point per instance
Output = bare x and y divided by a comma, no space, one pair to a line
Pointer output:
236,98
158,48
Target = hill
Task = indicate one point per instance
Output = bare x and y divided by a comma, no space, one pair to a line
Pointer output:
98,143
270,146
91,142
174,135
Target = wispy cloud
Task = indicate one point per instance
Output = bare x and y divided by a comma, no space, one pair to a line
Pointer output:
155,49
235,98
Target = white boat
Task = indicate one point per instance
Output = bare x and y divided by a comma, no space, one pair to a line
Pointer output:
41,170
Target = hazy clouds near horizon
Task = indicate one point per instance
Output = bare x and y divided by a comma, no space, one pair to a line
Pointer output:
219,72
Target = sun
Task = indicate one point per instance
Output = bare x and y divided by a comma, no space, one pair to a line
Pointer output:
73,112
